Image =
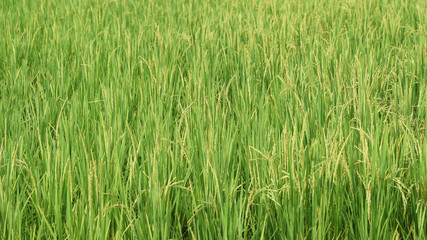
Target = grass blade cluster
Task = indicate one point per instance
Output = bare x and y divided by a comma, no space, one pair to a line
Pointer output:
213,119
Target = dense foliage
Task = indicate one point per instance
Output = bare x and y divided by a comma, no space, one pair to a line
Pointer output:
213,119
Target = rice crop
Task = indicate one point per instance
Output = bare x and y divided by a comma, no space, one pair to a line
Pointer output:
213,119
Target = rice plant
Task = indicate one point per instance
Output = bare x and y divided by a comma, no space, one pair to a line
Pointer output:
213,119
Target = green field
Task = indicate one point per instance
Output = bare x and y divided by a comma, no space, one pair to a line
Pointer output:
213,119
